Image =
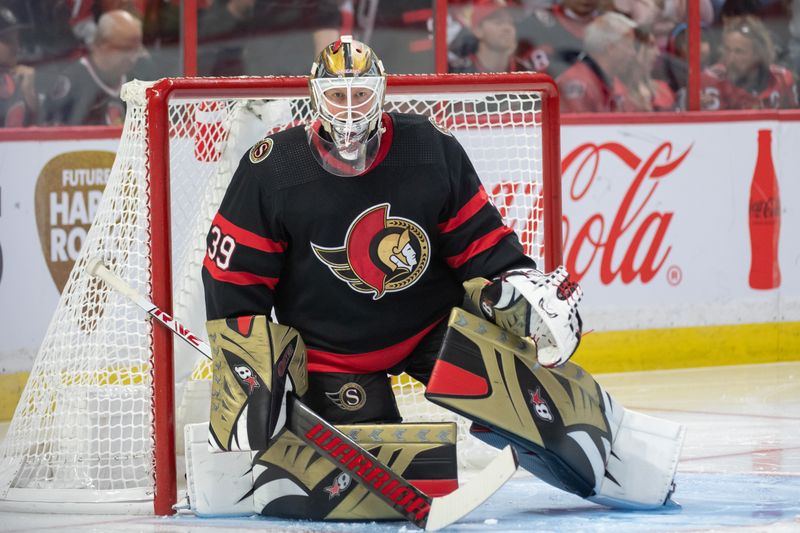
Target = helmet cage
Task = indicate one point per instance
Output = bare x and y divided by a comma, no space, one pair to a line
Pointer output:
347,86
349,108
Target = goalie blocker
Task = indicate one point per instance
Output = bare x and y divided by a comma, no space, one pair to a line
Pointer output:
256,363
567,430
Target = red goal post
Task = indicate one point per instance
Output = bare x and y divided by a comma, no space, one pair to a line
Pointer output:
508,123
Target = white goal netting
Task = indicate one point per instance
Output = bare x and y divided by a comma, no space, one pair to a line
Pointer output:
82,432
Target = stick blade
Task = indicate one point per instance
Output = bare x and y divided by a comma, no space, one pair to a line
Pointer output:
447,509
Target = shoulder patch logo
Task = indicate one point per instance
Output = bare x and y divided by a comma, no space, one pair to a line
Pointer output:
380,254
261,150
439,127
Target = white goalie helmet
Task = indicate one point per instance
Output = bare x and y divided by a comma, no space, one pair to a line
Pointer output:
347,86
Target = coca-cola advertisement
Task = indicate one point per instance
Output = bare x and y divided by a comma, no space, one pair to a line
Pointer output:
682,225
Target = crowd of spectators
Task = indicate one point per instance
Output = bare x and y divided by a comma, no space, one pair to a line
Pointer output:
62,62
632,55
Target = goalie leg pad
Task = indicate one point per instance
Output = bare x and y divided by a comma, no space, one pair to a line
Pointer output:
642,465
493,377
291,480
543,464
217,484
255,364
561,421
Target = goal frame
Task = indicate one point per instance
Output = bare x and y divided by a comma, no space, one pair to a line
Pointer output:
157,159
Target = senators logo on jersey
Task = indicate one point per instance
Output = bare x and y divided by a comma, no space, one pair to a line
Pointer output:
350,397
380,253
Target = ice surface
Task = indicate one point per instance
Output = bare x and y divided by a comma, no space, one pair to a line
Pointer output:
739,471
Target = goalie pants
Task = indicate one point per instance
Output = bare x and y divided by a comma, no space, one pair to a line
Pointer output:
368,398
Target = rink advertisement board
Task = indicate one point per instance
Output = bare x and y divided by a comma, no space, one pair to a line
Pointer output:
659,225
684,243
49,191
658,219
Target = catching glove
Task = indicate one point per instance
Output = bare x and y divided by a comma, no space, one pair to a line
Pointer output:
530,303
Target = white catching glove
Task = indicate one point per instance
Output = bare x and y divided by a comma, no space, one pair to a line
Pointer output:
530,303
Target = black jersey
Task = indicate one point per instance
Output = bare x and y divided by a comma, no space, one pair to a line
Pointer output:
364,267
80,97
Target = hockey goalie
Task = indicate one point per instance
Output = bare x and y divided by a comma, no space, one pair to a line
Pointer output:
370,236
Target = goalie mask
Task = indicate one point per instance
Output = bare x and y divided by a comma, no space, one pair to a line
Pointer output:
347,86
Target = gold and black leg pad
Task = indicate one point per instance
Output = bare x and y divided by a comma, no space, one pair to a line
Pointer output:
567,430
255,363
291,480
557,418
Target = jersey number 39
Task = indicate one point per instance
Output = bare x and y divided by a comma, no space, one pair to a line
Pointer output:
221,248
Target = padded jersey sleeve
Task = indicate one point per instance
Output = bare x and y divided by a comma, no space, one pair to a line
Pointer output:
474,238
245,248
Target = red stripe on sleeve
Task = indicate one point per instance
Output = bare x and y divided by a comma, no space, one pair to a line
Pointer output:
237,278
478,246
248,238
469,209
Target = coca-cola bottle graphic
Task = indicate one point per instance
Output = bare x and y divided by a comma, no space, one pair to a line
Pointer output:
765,218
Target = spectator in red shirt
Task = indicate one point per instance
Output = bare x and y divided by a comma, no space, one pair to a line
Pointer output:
593,83
19,103
747,76
492,23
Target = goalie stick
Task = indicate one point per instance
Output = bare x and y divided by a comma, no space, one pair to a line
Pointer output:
417,507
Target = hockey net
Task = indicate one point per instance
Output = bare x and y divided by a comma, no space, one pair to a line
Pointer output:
93,430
